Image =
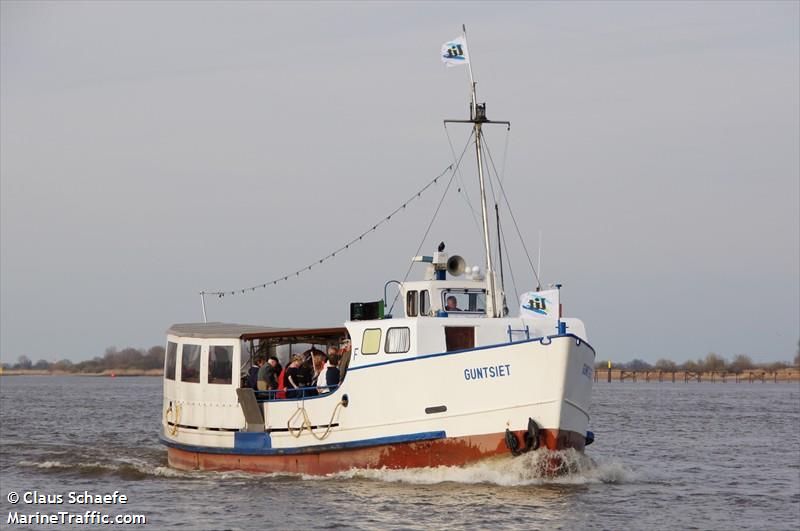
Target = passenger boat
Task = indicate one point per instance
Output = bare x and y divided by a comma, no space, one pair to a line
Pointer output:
454,380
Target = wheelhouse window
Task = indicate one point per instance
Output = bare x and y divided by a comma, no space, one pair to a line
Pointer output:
190,363
468,301
398,340
220,364
371,341
424,302
411,304
169,362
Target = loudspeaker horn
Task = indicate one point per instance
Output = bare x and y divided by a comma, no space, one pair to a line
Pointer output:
456,265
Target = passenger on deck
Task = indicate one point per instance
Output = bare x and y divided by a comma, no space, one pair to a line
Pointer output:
330,382
263,375
294,378
308,373
275,370
452,304
281,384
319,368
252,375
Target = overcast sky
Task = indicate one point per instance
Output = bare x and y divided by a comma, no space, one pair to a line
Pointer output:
150,150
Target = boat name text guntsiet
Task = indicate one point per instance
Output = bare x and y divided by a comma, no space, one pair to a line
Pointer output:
495,371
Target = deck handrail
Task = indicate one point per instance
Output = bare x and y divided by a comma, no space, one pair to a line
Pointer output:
271,395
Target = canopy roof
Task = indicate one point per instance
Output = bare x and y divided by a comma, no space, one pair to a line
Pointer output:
248,332
308,335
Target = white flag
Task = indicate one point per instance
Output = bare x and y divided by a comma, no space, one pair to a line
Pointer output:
539,304
454,52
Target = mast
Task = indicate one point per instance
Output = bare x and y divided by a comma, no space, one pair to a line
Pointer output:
477,119
491,302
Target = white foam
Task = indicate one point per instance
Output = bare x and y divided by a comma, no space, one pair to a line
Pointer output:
527,469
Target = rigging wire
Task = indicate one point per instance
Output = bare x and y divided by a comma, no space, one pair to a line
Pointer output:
505,156
461,182
346,246
514,219
499,225
510,268
485,149
435,213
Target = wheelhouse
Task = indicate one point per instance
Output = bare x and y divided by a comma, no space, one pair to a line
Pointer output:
429,298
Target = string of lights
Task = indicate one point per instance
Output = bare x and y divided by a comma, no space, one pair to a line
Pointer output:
346,246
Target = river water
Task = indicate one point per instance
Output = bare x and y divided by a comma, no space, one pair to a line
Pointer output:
666,456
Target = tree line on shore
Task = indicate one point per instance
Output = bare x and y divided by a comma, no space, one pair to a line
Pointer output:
153,358
112,359
711,363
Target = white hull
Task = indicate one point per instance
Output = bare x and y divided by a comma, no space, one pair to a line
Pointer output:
456,395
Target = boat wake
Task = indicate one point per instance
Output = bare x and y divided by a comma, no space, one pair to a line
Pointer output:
535,468
131,469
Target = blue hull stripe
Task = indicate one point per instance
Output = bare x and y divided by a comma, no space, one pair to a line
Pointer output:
543,340
258,440
363,443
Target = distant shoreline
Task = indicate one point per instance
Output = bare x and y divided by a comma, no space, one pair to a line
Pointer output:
789,375
106,372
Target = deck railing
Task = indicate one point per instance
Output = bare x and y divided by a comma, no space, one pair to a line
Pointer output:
299,393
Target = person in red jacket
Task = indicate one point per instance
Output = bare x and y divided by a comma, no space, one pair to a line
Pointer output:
281,385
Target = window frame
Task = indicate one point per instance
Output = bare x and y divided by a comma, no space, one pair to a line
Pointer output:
408,342
174,356
199,362
464,291
424,295
209,375
412,297
364,335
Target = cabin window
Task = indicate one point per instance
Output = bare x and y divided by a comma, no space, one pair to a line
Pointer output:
459,337
398,340
424,302
371,341
169,362
220,364
190,364
411,304
464,300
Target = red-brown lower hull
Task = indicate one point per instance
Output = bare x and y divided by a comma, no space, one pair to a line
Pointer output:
453,451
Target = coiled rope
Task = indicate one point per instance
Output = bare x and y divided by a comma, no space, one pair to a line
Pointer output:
306,424
173,430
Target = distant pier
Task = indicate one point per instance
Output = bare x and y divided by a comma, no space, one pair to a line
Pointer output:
681,376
